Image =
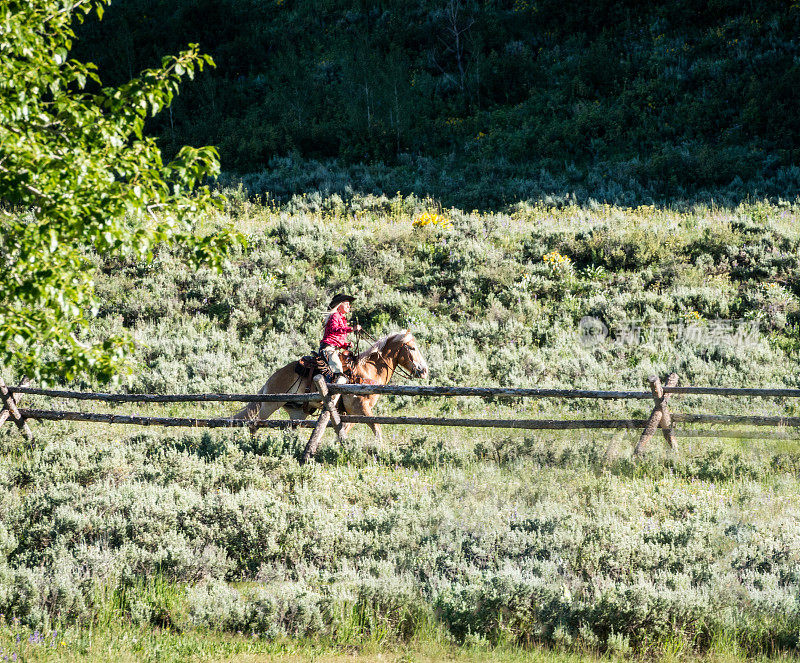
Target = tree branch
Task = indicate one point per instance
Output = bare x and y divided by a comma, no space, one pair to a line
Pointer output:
28,187
67,10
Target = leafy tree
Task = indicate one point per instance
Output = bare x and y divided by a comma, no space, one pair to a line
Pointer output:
78,176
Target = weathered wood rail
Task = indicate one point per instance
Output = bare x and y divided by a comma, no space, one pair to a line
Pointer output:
486,392
328,395
180,422
168,398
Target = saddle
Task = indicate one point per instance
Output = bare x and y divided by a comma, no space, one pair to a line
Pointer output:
315,364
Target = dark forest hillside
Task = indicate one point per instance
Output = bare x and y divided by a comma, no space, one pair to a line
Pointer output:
675,96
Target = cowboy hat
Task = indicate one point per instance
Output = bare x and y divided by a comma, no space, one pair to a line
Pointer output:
338,299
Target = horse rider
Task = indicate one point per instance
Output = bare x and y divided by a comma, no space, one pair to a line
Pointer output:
334,340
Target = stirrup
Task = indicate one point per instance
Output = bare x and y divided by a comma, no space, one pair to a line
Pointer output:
331,377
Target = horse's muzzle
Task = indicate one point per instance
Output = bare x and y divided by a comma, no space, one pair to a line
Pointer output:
420,372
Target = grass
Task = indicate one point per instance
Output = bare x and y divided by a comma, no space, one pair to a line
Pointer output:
436,544
382,494
135,645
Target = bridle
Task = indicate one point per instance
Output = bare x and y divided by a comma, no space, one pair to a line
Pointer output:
397,369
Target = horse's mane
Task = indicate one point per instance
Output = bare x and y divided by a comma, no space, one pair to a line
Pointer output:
378,347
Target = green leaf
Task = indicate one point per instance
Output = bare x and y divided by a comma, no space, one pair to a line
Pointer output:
84,171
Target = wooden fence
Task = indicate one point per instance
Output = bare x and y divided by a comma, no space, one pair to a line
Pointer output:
327,395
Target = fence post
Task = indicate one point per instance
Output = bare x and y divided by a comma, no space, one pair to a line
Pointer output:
660,417
10,409
330,401
666,416
324,418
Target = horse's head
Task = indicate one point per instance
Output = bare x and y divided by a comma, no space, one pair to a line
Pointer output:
410,358
396,350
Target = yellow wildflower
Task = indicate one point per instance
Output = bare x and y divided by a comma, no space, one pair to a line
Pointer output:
432,219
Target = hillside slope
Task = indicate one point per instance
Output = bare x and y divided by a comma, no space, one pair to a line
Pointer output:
672,98
471,537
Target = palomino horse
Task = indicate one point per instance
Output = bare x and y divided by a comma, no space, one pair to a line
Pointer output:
375,365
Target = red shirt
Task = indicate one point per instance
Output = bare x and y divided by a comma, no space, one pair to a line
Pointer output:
336,330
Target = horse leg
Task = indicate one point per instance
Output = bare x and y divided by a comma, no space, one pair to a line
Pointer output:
253,411
346,406
376,428
257,411
295,412
284,380
363,407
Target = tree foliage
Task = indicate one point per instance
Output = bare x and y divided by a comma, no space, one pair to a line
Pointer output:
77,176
687,93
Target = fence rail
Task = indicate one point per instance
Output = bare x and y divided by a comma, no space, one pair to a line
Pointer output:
736,419
328,395
486,392
168,398
735,391
180,422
